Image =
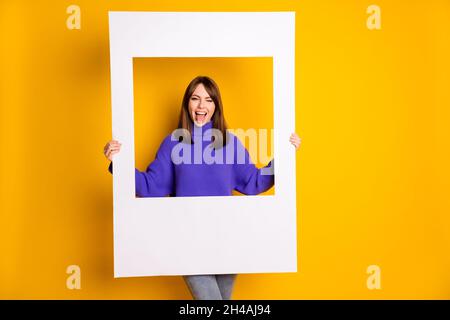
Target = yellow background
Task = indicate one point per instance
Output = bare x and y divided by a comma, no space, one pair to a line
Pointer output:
373,181
246,88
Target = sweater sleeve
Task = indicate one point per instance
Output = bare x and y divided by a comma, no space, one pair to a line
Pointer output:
248,178
158,179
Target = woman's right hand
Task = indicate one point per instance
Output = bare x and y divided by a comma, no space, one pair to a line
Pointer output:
111,148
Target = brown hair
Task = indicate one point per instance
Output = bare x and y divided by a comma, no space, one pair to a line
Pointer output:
217,119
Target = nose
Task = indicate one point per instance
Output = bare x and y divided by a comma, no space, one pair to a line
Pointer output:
201,104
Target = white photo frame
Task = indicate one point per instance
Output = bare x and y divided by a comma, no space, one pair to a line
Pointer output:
203,235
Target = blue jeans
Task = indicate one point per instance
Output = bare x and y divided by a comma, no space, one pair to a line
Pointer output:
210,286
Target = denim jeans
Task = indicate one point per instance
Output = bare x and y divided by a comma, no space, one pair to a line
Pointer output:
210,286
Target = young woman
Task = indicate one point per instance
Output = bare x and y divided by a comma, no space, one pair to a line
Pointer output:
225,165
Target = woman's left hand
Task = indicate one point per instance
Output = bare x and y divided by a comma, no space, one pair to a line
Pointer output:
295,140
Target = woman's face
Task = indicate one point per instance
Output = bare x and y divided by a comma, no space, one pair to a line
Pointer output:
201,106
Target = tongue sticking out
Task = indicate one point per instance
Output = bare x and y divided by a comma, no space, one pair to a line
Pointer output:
200,117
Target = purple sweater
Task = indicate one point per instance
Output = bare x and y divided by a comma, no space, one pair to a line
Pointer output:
164,177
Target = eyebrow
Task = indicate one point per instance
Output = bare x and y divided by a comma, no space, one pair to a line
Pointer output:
199,96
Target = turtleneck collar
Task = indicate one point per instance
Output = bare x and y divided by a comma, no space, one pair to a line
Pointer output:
200,131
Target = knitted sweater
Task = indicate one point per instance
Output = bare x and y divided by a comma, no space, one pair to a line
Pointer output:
199,175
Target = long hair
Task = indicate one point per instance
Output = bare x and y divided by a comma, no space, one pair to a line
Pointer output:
217,119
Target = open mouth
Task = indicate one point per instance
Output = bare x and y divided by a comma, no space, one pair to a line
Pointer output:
200,116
